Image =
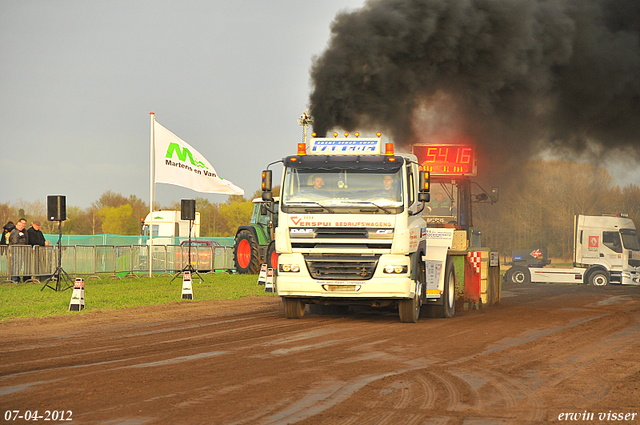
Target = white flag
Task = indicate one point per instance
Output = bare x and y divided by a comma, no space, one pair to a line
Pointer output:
176,162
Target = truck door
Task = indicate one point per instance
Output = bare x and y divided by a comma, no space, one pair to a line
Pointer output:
611,251
591,243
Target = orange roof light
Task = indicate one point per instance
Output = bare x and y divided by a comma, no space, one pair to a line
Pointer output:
302,149
335,134
378,134
314,134
388,149
357,134
346,134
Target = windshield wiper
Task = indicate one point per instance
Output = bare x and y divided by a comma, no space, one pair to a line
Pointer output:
291,204
375,205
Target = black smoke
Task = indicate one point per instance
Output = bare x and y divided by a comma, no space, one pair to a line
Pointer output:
515,76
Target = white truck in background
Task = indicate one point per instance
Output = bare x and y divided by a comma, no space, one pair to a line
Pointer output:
167,226
606,250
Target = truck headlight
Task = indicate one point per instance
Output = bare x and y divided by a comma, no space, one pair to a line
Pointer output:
389,269
289,268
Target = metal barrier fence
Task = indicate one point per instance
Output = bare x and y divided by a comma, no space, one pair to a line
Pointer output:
38,263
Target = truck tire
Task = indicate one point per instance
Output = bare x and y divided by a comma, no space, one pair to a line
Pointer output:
448,307
272,256
518,274
293,308
245,253
409,310
598,277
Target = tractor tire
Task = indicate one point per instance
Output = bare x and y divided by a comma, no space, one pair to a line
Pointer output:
598,277
272,256
518,275
293,308
245,253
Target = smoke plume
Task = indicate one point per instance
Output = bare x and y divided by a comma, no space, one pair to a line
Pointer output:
514,76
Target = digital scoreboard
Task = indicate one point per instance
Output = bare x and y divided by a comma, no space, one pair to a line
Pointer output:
447,159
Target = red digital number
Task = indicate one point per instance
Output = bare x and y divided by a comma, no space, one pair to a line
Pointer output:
442,154
431,155
465,158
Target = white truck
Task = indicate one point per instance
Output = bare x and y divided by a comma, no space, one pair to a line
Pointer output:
167,226
351,231
606,250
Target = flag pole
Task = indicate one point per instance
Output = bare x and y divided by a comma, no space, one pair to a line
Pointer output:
151,183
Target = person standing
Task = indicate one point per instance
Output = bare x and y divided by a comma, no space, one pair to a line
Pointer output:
35,235
36,238
6,231
18,236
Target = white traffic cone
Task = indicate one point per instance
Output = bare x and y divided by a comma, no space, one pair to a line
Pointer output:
187,286
77,297
262,277
269,284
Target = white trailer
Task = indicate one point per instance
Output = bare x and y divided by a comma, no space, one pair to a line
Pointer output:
606,250
167,226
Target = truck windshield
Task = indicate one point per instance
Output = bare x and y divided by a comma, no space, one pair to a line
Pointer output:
342,190
145,230
630,239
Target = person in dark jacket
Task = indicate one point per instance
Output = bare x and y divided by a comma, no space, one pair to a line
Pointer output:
35,235
42,261
6,231
18,236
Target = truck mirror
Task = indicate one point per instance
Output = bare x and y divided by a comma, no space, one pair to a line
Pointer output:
266,181
425,182
494,194
424,197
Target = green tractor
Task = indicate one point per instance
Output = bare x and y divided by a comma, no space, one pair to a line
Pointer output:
255,244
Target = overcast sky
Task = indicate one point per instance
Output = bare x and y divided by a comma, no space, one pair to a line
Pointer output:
78,79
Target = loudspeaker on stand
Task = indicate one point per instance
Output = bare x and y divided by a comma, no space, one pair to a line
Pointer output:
56,208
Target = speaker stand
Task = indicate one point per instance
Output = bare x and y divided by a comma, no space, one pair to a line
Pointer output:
58,274
189,267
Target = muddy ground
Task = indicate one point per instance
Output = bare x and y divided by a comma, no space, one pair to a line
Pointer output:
545,351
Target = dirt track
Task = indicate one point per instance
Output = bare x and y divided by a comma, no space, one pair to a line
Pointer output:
544,351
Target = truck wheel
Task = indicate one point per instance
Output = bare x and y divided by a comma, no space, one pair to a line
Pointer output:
409,310
245,255
598,277
272,256
448,307
518,274
450,291
293,308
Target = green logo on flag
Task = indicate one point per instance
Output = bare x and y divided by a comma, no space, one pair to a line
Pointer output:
183,153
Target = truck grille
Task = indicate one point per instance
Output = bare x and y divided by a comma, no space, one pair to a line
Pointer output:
341,238
341,233
341,267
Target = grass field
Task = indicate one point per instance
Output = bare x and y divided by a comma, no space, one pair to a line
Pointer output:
28,300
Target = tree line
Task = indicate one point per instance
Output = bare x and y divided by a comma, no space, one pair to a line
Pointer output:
114,213
537,206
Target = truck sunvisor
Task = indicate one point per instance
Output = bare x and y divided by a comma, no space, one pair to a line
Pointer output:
346,162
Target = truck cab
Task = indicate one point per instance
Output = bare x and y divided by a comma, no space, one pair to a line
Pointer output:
167,226
351,231
609,243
